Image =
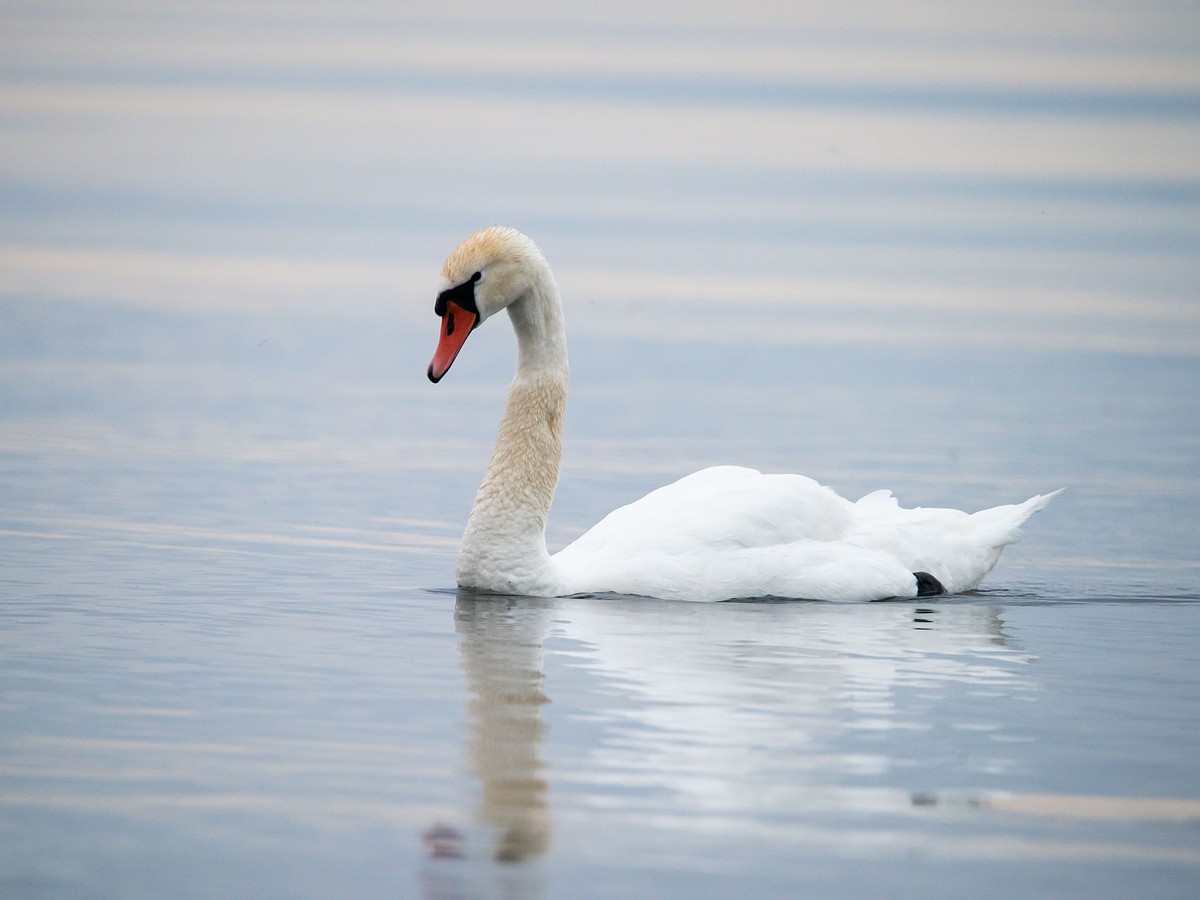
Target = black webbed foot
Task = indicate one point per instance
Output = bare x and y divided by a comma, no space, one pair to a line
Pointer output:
927,585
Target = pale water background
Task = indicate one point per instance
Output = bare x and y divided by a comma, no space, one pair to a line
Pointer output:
947,250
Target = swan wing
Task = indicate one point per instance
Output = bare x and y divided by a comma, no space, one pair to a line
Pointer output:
723,506
729,532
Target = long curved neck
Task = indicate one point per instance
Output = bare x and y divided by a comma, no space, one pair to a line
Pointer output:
504,546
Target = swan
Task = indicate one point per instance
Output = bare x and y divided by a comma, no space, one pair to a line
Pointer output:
721,533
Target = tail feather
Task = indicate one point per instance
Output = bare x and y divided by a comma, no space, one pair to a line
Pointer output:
956,548
1005,520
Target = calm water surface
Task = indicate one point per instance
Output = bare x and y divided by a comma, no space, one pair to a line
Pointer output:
947,254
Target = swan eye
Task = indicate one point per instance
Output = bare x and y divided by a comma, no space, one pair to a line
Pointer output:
478,275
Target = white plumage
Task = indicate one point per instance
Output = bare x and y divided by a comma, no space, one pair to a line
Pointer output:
718,534
729,532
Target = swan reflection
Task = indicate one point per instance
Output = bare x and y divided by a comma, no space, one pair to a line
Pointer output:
754,708
500,649
754,716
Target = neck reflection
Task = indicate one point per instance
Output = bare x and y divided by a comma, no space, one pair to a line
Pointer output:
501,651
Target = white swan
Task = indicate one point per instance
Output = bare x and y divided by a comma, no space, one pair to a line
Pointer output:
719,534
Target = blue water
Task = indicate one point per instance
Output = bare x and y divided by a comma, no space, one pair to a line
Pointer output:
950,255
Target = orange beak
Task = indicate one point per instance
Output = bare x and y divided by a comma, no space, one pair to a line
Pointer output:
457,323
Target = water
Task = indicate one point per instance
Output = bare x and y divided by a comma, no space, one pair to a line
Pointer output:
945,253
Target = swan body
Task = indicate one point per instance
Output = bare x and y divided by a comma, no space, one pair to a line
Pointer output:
718,534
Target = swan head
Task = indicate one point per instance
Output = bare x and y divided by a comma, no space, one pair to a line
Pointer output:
486,273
